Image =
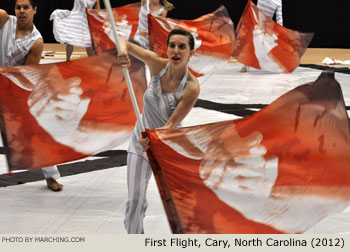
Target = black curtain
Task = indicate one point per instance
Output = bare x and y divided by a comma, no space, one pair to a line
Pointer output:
327,19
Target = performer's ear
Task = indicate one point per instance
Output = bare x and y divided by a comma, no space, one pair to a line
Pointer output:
191,54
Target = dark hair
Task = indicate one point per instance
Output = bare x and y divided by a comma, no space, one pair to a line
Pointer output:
33,3
168,6
184,33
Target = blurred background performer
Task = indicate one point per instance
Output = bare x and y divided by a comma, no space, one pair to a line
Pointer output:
71,27
22,44
157,8
270,8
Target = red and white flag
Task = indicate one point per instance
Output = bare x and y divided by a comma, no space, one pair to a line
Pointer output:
280,170
213,33
55,113
126,20
263,44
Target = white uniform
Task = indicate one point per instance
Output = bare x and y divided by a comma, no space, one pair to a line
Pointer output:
13,53
270,7
71,27
157,109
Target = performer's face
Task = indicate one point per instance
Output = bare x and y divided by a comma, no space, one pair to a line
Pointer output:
24,12
179,50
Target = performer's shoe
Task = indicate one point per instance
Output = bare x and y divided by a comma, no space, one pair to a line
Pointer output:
54,185
244,69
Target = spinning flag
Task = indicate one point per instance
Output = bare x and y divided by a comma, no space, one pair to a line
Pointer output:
126,18
263,44
280,170
55,113
213,33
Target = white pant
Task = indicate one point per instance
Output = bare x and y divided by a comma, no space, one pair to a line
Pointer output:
51,172
139,174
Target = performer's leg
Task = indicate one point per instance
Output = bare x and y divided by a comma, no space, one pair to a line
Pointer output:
139,174
90,51
244,69
69,51
51,173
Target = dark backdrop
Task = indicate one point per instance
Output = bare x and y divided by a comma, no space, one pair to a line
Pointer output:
328,19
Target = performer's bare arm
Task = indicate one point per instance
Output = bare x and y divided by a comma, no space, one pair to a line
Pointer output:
154,62
3,17
98,5
164,13
186,102
35,52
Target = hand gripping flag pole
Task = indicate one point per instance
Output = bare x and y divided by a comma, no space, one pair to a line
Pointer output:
125,70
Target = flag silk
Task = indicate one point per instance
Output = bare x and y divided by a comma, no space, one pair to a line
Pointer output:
263,44
55,113
126,20
213,33
280,170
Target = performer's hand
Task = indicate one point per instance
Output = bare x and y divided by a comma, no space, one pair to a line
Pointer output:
58,105
144,33
238,172
242,174
239,163
58,108
144,142
123,59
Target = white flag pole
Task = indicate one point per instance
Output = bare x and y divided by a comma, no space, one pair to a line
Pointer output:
85,3
125,70
148,8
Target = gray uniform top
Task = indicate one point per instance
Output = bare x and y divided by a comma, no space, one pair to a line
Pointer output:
157,109
13,52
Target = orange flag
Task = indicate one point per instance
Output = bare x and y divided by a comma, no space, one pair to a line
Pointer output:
280,170
263,44
56,113
126,18
213,33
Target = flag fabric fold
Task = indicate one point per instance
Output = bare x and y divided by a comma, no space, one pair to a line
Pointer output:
280,170
55,113
213,33
126,18
263,44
